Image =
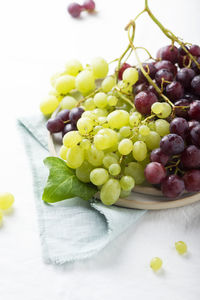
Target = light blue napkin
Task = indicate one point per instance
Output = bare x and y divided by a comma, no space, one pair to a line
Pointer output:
72,229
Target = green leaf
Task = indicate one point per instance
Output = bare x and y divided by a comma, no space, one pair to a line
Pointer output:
63,184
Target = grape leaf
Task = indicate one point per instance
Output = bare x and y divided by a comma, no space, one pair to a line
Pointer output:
63,184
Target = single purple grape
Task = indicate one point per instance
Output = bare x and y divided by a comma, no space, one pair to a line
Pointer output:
169,52
195,135
172,144
89,5
182,112
55,125
195,50
158,156
185,76
167,65
63,115
174,91
172,186
140,88
155,172
75,114
165,75
194,111
69,127
192,180
190,157
194,66
74,9
195,84
150,69
179,126
182,51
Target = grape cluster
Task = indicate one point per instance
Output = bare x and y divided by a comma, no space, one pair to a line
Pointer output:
75,9
127,128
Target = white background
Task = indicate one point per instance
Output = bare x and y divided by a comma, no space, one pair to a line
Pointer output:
37,37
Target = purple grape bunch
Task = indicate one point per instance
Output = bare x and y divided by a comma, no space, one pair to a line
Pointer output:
75,9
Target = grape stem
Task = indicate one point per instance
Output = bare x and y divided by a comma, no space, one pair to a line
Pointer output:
169,34
119,94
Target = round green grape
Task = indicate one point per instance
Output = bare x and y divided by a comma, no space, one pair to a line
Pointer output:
139,150
127,183
89,104
64,84
125,146
48,105
166,111
99,67
181,247
85,82
6,200
130,75
75,157
112,100
162,127
110,191
114,169
71,139
153,140
85,125
99,176
73,67
108,83
83,172
156,264
125,131
118,119
100,100
94,156
68,102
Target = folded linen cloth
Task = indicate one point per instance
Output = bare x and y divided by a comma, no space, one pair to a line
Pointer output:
73,229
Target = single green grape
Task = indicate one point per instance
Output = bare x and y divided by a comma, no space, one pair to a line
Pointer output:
110,191
181,247
109,159
108,83
118,119
152,140
105,138
6,201
125,131
75,157
83,172
100,100
85,144
63,152
73,67
125,146
139,150
64,84
114,169
166,111
89,104
144,130
99,176
134,119
71,139
94,156
112,100
162,127
85,125
127,183
156,263
135,170
99,67
68,102
157,108
130,76
85,82
48,105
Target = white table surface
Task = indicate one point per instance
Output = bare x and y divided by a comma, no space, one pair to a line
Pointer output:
37,37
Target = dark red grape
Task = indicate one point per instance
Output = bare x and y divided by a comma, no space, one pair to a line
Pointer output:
150,69
172,144
152,89
179,126
169,52
163,74
64,115
190,157
192,180
55,125
192,124
155,172
195,135
144,101
182,112
75,114
195,50
74,9
182,51
89,5
68,127
184,76
140,88
194,66
195,84
167,65
172,186
158,156
194,111
174,91
122,69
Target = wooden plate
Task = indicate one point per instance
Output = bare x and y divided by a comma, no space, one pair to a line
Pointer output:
142,197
